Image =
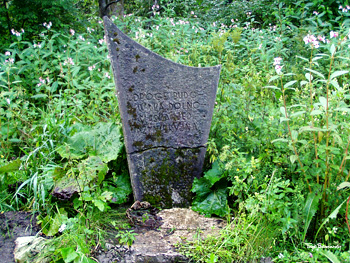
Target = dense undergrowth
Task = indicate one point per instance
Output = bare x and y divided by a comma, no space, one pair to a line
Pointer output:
278,146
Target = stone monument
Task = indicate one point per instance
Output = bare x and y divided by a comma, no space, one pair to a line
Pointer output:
166,110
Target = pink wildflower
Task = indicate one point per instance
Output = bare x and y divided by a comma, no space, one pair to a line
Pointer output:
334,34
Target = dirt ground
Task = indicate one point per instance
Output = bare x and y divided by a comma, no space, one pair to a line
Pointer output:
13,225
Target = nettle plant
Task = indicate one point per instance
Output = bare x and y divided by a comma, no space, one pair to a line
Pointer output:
317,125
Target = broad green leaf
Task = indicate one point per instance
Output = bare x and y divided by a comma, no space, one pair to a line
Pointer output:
333,258
290,83
335,83
343,185
315,72
103,140
303,82
332,49
272,87
68,254
274,78
214,203
316,58
92,172
305,59
121,190
85,259
343,109
316,112
293,158
99,204
309,128
290,74
323,101
338,73
295,114
308,76
106,195
310,210
294,134
283,111
282,119
297,105
201,187
214,174
55,223
15,140
94,169
280,140
10,167
39,96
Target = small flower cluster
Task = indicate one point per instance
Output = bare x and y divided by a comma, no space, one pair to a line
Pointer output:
334,34
43,81
47,25
37,45
139,34
81,38
344,9
10,60
107,75
16,33
273,28
192,13
69,61
277,64
91,68
72,32
101,41
249,13
315,42
90,30
154,9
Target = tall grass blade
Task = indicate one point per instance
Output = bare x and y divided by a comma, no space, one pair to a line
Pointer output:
310,210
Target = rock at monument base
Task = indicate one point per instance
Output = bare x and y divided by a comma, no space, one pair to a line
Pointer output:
158,246
27,247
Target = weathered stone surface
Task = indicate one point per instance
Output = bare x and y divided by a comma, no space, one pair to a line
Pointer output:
166,109
168,171
157,246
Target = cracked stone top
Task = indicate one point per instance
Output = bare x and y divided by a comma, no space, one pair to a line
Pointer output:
162,103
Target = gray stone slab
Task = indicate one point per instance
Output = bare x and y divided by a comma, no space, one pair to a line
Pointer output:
166,110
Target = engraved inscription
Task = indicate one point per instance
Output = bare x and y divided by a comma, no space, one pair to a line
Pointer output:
165,111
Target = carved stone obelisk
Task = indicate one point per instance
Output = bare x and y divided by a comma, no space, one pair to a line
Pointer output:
166,110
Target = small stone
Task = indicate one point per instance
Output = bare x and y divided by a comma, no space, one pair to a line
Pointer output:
27,247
